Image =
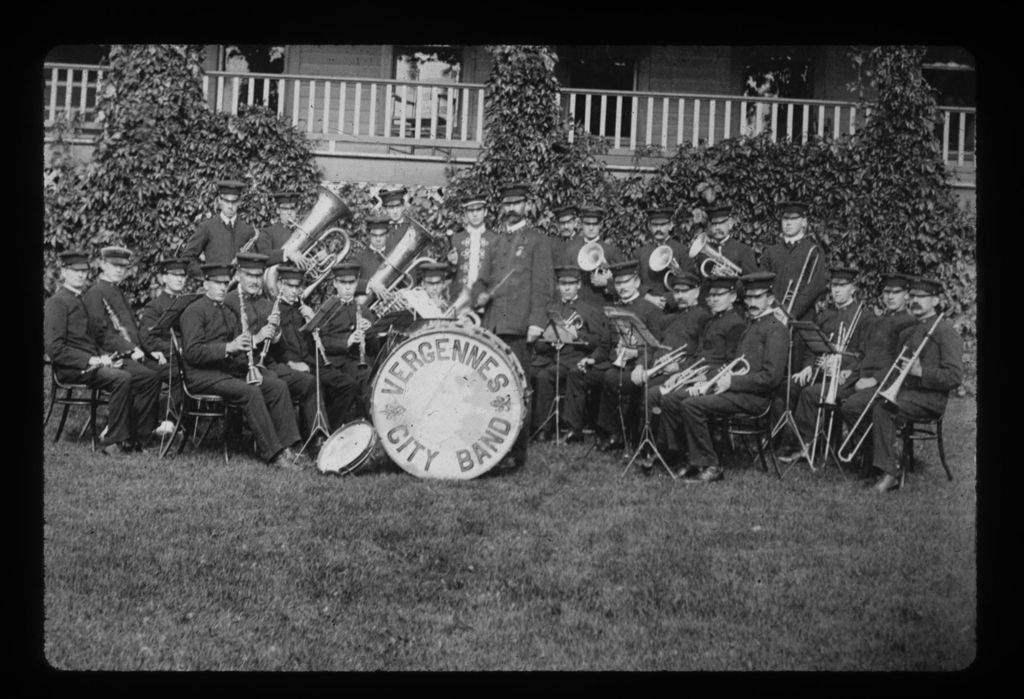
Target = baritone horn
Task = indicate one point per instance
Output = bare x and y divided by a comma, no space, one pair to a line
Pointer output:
397,267
721,266
663,258
313,237
591,258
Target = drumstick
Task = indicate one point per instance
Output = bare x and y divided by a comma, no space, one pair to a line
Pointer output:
503,280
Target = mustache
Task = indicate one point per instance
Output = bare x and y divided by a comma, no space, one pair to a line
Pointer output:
510,215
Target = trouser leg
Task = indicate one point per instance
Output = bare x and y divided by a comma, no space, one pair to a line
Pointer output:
279,406
577,386
544,398
302,389
695,415
341,396
118,383
250,399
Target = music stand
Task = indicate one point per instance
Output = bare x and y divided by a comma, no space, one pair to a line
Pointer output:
322,315
554,412
818,343
165,323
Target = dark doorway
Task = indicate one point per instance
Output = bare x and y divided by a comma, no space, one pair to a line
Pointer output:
255,58
779,71
599,68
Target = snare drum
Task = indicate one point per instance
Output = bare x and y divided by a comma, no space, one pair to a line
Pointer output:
449,401
352,446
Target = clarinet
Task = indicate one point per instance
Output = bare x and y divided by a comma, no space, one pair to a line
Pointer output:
118,326
253,375
266,343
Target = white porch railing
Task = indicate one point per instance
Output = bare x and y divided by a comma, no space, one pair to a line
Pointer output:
397,113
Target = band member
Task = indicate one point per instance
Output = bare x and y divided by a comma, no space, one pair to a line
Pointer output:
157,341
77,357
274,236
652,284
798,263
399,220
515,288
936,371
344,339
470,246
716,345
764,346
849,322
681,329
618,392
434,280
720,240
296,352
575,331
597,287
371,257
567,220
217,361
219,238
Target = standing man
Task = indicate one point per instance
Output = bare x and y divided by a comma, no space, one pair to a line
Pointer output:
764,345
219,238
567,220
515,287
274,236
399,221
798,263
371,257
470,246
71,344
597,287
925,391
652,284
720,240
216,362
589,341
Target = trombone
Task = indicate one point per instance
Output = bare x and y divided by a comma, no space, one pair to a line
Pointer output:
832,366
793,287
721,266
887,390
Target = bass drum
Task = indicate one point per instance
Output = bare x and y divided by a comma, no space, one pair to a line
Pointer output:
352,446
449,401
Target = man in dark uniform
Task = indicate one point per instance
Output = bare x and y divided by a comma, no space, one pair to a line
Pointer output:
716,345
264,320
372,256
274,236
798,263
70,341
618,393
597,287
157,342
764,345
923,395
399,221
342,334
112,319
470,246
567,220
515,287
219,238
720,240
653,284
589,340
837,323
216,362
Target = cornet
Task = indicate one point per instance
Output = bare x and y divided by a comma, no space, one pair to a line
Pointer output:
737,367
722,266
662,258
591,258
690,375
670,358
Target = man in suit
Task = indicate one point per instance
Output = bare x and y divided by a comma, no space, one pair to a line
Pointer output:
219,238
798,263
71,344
216,355
515,287
567,220
274,236
652,284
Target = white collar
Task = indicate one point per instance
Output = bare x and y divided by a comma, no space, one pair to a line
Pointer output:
517,225
794,239
73,291
227,221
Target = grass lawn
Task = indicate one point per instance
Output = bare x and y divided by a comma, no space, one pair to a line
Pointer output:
190,564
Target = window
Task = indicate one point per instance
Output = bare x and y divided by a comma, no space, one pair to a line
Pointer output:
778,71
429,64
255,58
950,70
599,68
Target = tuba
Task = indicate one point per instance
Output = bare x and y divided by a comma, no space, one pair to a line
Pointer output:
382,295
591,258
721,266
311,237
662,258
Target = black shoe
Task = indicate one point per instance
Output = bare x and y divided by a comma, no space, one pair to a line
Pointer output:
281,460
114,450
572,437
706,475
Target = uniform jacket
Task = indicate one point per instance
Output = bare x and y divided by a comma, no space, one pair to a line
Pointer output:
270,241
588,292
335,331
67,335
107,337
216,242
257,311
594,333
735,251
880,346
719,339
153,340
786,261
523,298
654,282
460,243
829,321
293,346
652,318
684,328
941,361
206,328
765,345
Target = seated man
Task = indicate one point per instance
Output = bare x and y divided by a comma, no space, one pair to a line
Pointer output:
77,357
344,339
218,358
585,337
936,370
764,346
157,341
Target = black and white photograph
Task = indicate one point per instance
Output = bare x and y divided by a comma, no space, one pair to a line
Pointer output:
509,358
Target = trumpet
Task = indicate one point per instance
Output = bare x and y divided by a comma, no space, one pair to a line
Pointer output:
793,287
662,258
692,374
253,375
887,389
737,367
591,258
670,358
574,321
721,266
